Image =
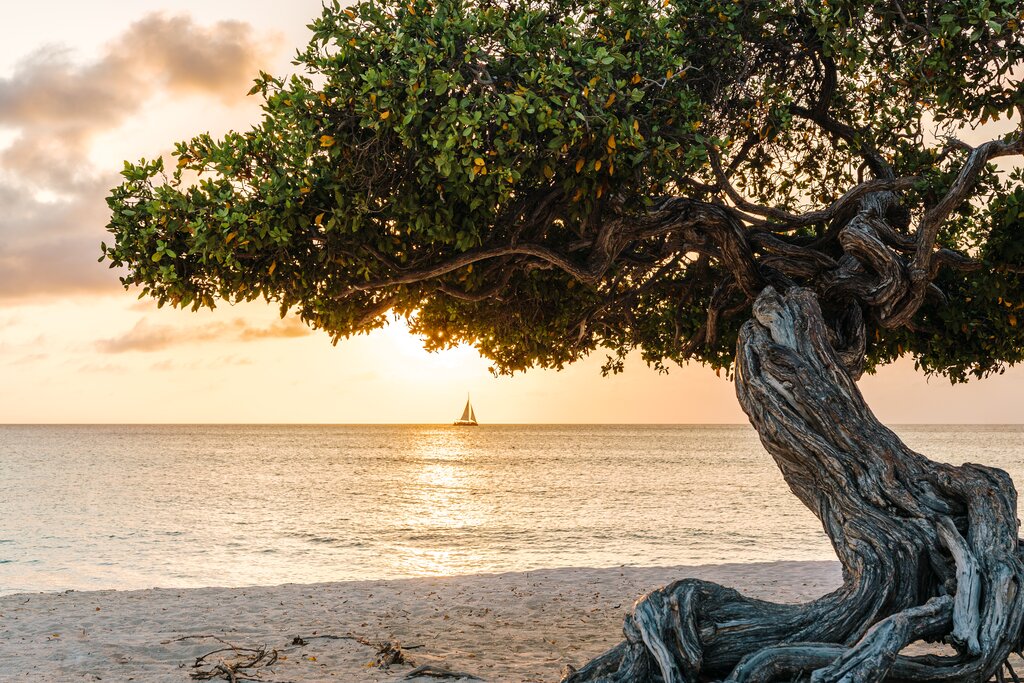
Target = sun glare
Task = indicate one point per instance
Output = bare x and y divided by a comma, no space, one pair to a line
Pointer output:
440,497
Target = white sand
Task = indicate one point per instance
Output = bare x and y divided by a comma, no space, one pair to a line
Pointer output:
507,627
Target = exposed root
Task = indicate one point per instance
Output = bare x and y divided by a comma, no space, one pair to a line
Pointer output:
929,550
873,657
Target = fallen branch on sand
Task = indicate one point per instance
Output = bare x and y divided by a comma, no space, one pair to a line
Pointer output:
388,652
438,672
236,669
246,662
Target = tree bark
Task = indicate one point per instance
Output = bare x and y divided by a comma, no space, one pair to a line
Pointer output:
929,551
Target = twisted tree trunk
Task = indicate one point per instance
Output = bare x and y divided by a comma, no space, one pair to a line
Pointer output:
929,551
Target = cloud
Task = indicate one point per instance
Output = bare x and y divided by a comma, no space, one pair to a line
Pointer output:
192,58
147,338
52,208
30,358
169,365
102,368
49,248
289,328
59,105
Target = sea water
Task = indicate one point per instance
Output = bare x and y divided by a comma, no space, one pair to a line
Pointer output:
90,507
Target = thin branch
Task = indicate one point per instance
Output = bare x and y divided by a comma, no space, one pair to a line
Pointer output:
376,310
411,275
719,224
928,228
492,292
851,136
788,221
848,199
923,266
742,202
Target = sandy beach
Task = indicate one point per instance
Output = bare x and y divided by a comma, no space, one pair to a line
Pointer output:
502,627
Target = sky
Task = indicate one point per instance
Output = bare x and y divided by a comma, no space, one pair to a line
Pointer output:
84,86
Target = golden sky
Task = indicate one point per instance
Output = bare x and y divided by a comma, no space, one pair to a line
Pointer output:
85,85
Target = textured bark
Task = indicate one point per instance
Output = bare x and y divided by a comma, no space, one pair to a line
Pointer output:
929,551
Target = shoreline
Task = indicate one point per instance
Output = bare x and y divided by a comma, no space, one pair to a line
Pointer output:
515,626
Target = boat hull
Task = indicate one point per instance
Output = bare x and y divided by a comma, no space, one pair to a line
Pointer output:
464,423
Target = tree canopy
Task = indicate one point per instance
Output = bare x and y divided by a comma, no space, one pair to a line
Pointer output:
550,178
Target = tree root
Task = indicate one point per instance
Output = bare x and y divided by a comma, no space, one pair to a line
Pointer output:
929,551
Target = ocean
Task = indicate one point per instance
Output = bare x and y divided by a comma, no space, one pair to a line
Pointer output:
126,507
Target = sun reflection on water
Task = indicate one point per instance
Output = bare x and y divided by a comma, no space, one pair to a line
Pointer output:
446,495
372,502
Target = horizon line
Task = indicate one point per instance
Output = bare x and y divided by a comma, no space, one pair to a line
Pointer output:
449,424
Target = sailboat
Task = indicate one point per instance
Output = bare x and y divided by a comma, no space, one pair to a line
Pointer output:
468,418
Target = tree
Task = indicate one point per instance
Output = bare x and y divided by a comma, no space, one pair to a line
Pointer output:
772,188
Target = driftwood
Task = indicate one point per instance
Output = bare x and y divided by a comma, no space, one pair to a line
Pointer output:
242,667
246,662
929,551
438,672
387,652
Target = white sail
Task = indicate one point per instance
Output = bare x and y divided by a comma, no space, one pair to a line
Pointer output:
468,418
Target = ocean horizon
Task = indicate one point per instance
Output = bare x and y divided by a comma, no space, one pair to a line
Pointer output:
136,506
894,425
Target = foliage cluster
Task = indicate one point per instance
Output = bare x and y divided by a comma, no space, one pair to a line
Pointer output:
447,159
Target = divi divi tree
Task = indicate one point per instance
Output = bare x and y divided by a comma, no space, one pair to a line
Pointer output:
791,192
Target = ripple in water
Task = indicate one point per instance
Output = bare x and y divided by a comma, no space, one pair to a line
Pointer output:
140,506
